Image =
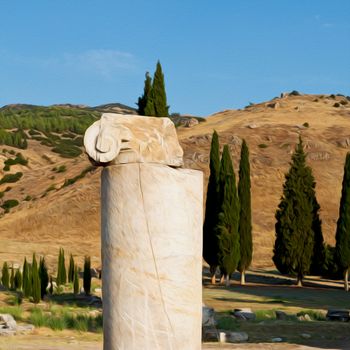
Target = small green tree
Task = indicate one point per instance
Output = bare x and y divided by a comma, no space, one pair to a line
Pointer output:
71,269
245,216
76,280
51,286
18,280
227,228
44,277
342,236
26,280
147,90
12,278
61,269
210,238
161,108
87,275
294,242
36,289
5,277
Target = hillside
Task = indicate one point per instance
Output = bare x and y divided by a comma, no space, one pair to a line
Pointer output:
58,191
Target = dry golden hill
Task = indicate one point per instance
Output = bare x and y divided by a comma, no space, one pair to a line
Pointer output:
56,216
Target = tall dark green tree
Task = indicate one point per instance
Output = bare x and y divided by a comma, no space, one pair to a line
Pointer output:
245,215
18,280
61,269
342,236
12,278
71,269
44,277
36,289
147,90
227,228
87,275
294,244
318,263
5,276
76,280
210,239
159,95
26,280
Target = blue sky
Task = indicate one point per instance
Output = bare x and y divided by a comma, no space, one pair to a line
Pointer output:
215,56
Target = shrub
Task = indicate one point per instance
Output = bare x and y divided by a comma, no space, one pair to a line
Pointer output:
18,160
337,104
306,124
8,204
71,181
294,93
262,145
11,178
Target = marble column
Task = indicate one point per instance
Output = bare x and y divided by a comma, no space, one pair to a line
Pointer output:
151,215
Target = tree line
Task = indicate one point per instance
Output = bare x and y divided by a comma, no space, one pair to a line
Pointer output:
299,247
227,228
34,282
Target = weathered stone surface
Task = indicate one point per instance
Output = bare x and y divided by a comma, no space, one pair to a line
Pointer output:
208,316
210,334
244,314
338,315
235,337
281,315
7,321
121,139
151,257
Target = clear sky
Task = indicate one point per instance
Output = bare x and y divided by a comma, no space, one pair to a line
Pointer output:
215,55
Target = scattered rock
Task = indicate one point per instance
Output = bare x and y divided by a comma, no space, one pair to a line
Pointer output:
9,327
244,314
338,315
7,321
189,122
210,334
345,143
306,335
233,337
274,105
208,316
318,155
280,315
276,340
251,126
305,317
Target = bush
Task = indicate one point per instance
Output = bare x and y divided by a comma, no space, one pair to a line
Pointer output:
337,104
5,276
262,145
8,204
18,160
71,181
294,93
306,124
11,178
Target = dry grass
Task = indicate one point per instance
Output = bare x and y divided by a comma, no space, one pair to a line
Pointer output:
70,217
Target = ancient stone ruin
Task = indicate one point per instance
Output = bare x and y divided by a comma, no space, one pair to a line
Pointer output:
151,233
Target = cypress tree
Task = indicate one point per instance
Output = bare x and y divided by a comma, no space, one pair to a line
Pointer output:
36,289
149,108
18,280
227,228
71,269
210,239
342,236
318,263
158,93
294,242
5,277
12,279
76,280
87,275
44,277
61,271
25,279
147,90
245,215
